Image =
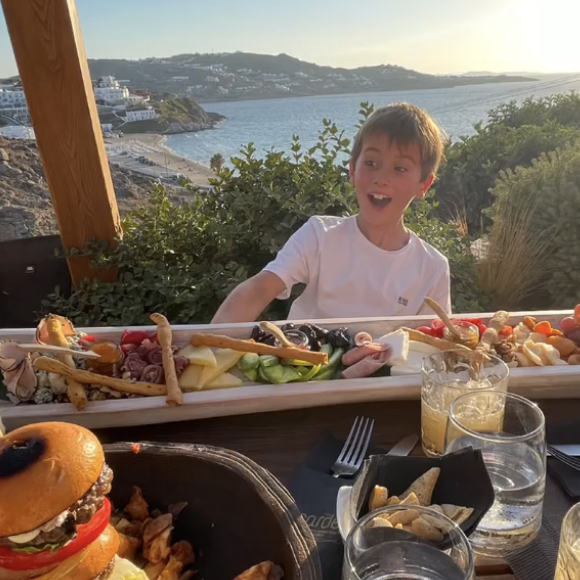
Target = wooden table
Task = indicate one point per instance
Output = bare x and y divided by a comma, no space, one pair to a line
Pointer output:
280,441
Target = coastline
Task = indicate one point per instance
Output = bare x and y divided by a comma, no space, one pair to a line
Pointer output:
124,151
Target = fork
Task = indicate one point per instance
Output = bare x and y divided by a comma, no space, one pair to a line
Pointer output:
353,453
566,459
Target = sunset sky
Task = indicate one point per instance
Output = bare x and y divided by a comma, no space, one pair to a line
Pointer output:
434,36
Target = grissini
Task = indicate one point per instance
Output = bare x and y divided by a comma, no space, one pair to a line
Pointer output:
221,341
52,365
174,394
443,316
440,343
76,391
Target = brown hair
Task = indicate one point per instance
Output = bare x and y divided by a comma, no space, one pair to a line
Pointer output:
406,125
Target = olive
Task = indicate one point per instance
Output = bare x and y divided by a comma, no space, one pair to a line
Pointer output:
288,326
321,333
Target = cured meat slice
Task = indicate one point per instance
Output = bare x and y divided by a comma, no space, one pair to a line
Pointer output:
360,352
368,365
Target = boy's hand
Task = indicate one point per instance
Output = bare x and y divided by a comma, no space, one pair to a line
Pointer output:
250,299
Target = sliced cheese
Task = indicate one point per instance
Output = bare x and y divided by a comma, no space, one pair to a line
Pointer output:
189,379
224,381
225,359
426,349
198,355
415,356
399,344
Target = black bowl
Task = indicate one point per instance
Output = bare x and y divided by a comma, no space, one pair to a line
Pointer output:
463,481
237,514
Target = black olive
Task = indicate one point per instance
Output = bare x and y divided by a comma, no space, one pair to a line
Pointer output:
269,339
321,333
256,333
308,331
288,326
315,345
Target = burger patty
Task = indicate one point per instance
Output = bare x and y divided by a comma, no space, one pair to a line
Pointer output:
80,512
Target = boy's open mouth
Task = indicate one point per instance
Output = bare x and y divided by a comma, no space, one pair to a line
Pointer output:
379,201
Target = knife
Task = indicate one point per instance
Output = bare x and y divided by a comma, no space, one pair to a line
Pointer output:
572,450
406,445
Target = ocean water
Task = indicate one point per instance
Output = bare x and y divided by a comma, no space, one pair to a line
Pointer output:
270,123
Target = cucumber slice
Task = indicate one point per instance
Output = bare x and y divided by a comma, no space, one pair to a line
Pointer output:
327,348
279,374
336,357
249,361
268,360
251,374
326,375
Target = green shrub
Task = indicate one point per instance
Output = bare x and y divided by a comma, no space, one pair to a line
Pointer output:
183,260
550,189
474,164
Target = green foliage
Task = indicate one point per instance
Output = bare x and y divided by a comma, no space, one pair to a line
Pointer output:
474,163
563,109
184,260
217,161
551,187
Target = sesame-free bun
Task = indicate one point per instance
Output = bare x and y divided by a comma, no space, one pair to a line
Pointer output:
44,469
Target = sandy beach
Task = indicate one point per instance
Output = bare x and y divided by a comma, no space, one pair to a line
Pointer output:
125,150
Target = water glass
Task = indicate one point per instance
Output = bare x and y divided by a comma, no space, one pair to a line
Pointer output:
510,432
375,552
568,567
446,376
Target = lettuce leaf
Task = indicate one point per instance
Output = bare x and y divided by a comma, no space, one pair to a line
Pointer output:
37,549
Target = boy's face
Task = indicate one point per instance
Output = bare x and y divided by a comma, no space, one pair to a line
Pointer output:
386,178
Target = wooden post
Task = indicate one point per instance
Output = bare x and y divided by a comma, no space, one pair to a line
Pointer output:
50,54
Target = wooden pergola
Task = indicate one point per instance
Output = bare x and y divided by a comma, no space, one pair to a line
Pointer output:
51,59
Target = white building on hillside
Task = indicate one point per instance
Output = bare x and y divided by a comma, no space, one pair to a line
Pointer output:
12,98
109,90
141,115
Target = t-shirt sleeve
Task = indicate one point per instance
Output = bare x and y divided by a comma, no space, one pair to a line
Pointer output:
293,262
440,291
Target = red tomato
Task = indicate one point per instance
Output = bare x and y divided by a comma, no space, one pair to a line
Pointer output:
482,329
86,534
134,337
437,328
87,340
426,330
127,348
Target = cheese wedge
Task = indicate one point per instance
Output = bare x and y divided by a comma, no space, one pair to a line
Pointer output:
415,356
399,343
189,379
224,381
225,359
198,355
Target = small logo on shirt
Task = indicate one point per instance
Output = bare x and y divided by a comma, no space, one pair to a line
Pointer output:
403,301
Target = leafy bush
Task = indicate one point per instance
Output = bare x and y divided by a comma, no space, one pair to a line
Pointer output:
563,109
474,163
550,190
184,260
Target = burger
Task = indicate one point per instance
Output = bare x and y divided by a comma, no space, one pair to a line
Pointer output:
53,483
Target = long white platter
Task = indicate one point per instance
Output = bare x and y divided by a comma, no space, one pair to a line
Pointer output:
561,382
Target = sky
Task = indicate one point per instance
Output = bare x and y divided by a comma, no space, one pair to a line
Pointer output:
432,36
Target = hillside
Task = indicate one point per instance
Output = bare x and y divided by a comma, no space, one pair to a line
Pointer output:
241,75
25,203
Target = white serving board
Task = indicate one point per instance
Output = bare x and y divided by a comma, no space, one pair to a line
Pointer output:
561,382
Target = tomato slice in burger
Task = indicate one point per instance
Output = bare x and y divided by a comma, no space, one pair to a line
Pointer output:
86,534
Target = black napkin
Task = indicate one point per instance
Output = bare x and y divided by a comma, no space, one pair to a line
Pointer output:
568,478
315,491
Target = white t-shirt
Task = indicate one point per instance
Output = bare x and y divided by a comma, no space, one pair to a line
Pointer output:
347,276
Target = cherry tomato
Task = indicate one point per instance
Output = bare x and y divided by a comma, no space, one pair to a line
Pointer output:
134,337
426,330
482,329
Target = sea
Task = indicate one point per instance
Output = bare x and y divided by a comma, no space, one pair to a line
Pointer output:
271,123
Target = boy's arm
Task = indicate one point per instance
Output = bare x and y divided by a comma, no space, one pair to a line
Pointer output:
248,300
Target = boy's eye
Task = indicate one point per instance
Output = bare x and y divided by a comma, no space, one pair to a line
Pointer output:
370,163
401,169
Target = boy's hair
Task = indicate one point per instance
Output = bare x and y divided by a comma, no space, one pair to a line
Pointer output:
406,125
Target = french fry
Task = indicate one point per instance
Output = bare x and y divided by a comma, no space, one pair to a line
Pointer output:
221,341
174,394
122,385
76,391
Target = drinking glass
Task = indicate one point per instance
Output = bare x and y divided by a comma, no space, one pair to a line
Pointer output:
446,376
373,552
510,432
568,567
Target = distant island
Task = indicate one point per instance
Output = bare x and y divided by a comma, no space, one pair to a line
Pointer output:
242,76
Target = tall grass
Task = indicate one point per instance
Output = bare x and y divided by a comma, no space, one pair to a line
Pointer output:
512,269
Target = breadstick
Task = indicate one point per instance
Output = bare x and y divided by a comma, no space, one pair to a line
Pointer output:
51,365
76,391
439,343
220,341
174,394
491,333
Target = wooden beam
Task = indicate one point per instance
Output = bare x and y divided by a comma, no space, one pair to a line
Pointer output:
50,55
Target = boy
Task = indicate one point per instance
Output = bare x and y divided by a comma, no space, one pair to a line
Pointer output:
369,264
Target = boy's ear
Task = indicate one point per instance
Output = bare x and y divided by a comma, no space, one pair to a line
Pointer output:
351,171
425,185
